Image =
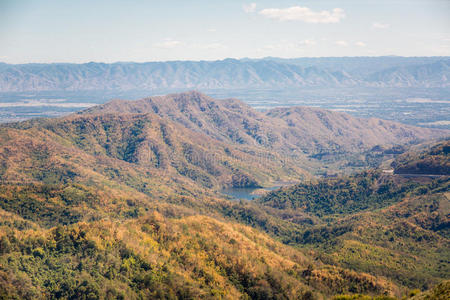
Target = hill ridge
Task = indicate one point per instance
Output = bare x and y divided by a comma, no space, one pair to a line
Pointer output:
288,130
228,73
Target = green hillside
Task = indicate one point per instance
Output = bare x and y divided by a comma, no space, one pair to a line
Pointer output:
370,222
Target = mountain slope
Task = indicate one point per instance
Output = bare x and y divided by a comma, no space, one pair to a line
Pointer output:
148,142
433,161
427,75
360,67
321,131
156,257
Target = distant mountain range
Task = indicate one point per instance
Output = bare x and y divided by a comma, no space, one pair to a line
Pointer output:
270,73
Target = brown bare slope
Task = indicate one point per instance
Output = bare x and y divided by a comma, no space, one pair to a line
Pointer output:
318,130
228,120
153,142
432,161
144,143
290,131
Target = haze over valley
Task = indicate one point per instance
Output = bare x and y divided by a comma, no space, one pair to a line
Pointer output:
395,88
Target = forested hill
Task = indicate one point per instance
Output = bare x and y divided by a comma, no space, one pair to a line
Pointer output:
270,73
390,225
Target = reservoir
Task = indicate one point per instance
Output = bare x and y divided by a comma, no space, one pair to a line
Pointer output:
251,193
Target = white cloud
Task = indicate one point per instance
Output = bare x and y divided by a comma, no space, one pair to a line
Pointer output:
168,44
378,25
360,44
212,30
304,14
249,8
341,43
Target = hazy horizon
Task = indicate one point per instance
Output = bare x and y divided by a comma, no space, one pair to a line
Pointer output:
50,31
222,59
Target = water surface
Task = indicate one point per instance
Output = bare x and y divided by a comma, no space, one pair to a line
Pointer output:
246,193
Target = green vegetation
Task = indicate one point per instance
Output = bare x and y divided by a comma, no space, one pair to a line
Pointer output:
439,292
401,233
344,195
156,257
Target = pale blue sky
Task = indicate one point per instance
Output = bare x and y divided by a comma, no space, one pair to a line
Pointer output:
146,30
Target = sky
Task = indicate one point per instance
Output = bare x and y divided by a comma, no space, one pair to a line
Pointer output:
79,31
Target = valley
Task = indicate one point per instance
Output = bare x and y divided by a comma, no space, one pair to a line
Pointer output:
125,200
229,150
